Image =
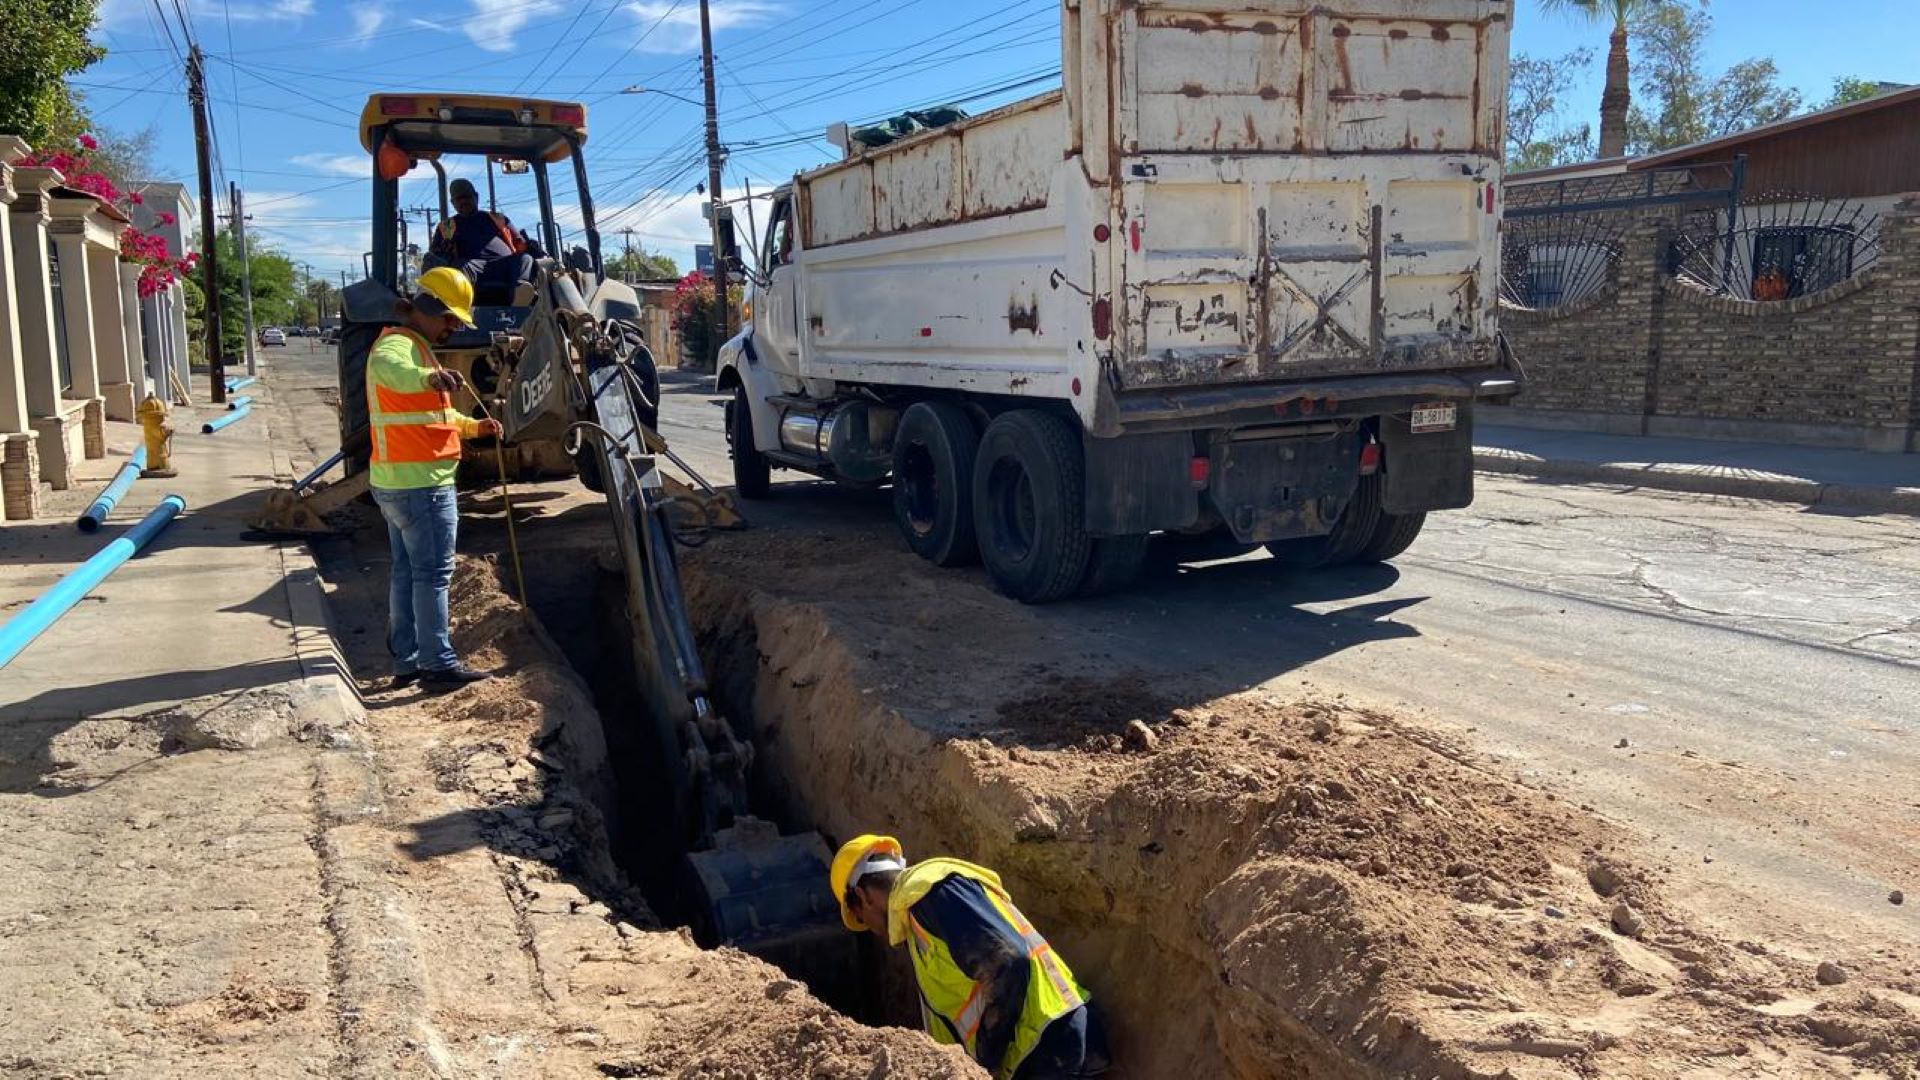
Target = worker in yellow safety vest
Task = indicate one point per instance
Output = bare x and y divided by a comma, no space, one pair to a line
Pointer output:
988,980
416,435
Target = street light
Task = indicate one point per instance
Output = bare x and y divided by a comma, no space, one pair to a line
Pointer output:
662,93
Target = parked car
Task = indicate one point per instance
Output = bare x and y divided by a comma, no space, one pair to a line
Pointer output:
272,335
311,331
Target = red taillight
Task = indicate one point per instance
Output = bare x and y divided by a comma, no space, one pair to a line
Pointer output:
1133,233
1199,471
1101,233
399,106
569,114
1490,195
1370,459
1102,318
926,331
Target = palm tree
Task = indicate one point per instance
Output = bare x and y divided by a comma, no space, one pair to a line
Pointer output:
1617,101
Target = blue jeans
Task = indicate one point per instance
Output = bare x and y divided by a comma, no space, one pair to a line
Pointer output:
421,523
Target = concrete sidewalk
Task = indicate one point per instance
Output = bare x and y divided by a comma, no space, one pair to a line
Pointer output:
1813,476
201,611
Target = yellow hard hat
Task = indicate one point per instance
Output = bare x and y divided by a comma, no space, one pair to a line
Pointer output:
857,857
452,289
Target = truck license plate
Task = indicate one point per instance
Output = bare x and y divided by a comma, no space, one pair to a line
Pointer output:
1438,416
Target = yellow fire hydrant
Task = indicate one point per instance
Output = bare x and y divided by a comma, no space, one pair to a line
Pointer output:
158,434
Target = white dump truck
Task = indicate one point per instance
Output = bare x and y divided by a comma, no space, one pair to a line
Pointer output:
1235,279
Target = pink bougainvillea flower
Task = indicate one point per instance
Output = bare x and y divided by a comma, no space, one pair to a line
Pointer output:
89,142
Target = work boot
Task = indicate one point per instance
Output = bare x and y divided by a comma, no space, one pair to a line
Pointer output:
403,679
450,678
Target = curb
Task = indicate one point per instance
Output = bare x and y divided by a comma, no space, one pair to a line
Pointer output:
1803,492
322,665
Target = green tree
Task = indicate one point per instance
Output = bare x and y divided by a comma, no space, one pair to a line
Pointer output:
1616,101
1847,90
1689,105
274,291
1536,136
41,43
649,266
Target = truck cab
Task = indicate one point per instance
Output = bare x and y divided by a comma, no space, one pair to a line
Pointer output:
1234,279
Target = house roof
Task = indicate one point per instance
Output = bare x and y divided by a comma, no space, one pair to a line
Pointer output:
1576,170
105,208
1909,95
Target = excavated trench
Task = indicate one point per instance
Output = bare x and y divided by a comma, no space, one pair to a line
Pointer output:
581,600
831,758
1252,887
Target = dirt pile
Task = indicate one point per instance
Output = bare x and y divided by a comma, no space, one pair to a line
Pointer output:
1252,886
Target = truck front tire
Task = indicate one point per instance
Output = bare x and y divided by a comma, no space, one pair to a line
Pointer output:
1029,506
933,455
752,474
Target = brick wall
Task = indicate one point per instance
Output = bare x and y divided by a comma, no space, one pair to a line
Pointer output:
1652,353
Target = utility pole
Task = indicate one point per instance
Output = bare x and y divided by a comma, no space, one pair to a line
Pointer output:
197,97
722,315
239,222
343,299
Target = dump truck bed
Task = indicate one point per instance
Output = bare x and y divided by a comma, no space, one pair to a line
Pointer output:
1222,194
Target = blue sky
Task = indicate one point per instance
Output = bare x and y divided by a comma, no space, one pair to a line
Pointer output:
289,78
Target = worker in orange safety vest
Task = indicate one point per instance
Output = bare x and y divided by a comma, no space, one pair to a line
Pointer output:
416,434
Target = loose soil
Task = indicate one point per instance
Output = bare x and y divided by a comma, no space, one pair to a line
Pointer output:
1252,885
521,948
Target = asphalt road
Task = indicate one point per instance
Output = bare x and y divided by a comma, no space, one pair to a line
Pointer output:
1738,680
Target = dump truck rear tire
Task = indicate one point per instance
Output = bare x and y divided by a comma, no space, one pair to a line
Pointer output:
1393,535
1114,564
752,474
1029,506
933,455
1349,537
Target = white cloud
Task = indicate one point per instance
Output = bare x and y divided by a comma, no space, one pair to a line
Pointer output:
679,24
114,14
334,164
367,21
493,23
267,205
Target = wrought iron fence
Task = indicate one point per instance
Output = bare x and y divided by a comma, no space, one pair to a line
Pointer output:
1555,261
1776,246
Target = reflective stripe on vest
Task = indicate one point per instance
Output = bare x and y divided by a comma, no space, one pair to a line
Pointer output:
953,1004
415,433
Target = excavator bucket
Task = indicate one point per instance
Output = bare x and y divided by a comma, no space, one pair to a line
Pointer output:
303,512
769,895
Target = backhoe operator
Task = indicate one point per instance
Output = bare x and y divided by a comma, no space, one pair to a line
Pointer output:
484,245
988,980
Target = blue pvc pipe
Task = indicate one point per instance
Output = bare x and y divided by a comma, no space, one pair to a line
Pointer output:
319,471
231,418
238,403
96,514
20,631
237,384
